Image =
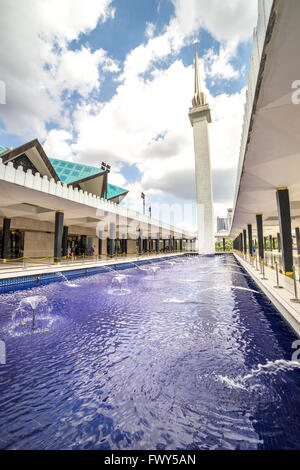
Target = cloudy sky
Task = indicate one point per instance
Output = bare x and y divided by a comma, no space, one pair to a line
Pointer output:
112,80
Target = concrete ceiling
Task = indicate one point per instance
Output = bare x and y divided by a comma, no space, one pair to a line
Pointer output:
272,157
42,206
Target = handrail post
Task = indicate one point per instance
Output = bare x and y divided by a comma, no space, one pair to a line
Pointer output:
260,265
263,271
295,300
277,277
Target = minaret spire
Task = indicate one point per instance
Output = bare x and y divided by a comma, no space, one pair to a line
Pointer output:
197,74
199,97
200,118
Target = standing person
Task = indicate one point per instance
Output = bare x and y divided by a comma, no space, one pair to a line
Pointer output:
92,250
69,252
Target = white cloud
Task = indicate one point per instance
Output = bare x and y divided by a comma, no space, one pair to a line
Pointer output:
116,176
150,29
63,21
232,20
220,210
225,131
127,128
36,65
146,123
79,70
158,48
133,198
58,144
218,64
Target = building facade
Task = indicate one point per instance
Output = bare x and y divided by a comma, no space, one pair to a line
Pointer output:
51,208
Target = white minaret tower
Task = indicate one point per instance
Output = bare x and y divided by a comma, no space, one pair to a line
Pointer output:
200,118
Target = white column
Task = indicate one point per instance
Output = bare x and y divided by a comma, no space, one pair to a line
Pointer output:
203,187
200,117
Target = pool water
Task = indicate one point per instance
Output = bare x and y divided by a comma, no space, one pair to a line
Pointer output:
188,356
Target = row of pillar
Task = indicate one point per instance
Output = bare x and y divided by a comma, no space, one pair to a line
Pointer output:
172,243
5,238
61,240
284,237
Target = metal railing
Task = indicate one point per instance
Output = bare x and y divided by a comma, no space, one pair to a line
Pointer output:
274,262
25,263
271,259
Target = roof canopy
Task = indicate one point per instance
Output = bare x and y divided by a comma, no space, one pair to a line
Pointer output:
70,172
88,178
115,191
3,149
272,156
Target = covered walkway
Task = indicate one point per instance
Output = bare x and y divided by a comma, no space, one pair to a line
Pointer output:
267,205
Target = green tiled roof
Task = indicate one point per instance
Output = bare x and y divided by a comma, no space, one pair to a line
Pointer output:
3,149
69,172
114,191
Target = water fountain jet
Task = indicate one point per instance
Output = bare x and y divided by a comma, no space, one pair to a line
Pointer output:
33,302
26,314
119,285
154,270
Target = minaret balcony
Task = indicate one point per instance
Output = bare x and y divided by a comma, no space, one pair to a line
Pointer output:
199,113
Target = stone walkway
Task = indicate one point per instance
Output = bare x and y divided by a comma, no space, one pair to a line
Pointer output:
11,270
281,298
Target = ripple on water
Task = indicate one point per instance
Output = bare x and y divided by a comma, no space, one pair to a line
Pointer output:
179,362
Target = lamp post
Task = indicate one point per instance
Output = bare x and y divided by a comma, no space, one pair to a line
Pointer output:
150,211
105,167
143,198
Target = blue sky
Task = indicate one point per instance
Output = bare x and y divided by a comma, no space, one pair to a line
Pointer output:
113,81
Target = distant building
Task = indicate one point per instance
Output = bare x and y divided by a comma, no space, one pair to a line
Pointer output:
229,218
222,224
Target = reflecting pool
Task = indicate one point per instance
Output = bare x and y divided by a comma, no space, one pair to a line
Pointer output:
188,356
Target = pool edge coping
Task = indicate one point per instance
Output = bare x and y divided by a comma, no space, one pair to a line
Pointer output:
19,280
